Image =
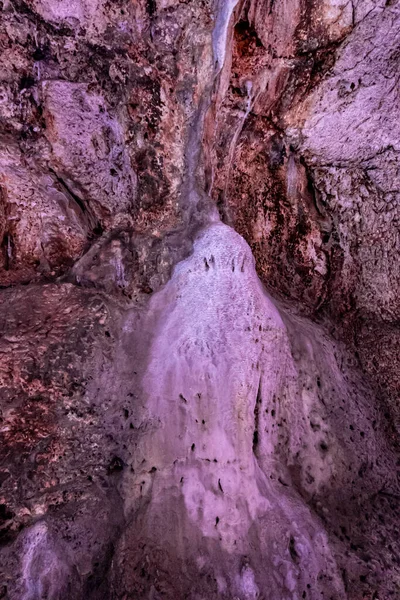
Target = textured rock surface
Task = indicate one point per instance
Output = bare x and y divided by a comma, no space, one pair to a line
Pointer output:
186,410
309,114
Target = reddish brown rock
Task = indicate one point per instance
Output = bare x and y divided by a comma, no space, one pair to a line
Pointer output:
168,428
303,163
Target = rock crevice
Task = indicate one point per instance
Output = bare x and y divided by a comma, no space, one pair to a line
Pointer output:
200,345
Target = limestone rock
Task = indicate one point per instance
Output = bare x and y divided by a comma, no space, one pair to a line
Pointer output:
199,347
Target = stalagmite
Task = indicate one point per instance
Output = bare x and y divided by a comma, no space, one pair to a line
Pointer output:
199,352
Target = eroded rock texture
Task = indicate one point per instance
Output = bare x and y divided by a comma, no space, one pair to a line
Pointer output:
199,274
307,109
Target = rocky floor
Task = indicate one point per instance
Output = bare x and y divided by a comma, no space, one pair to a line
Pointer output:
200,349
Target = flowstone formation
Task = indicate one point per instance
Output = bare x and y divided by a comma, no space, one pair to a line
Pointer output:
199,337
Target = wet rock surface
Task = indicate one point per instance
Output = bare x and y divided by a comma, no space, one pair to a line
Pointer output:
199,336
309,114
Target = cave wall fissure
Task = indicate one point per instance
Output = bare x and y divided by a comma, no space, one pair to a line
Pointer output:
199,351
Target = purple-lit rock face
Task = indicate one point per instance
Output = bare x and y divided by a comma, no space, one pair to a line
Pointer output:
199,353
219,360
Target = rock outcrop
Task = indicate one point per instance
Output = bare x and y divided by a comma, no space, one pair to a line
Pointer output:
199,338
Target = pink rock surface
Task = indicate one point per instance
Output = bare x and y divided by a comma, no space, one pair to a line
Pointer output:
199,349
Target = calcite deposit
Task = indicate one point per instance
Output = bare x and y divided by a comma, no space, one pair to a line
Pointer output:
200,344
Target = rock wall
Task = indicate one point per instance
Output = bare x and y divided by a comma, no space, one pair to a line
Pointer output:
308,110
199,350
